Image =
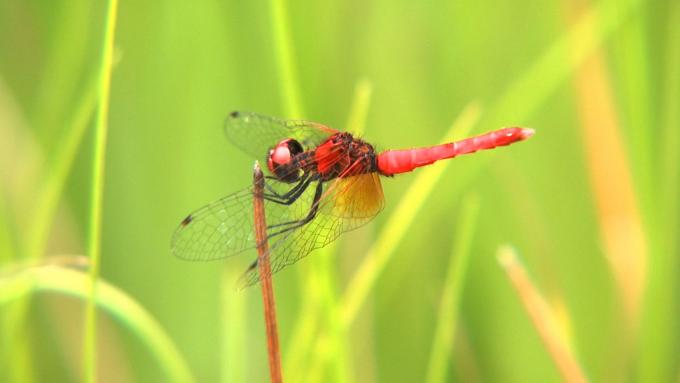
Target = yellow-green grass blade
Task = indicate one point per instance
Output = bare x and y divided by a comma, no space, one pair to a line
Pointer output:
399,222
234,329
534,86
326,293
382,249
285,58
361,101
56,279
336,350
32,241
659,335
447,319
557,63
97,193
58,167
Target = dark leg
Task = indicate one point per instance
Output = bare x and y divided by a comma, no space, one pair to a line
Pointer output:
274,194
290,196
291,225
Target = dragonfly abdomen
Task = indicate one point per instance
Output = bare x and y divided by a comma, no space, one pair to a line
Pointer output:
401,161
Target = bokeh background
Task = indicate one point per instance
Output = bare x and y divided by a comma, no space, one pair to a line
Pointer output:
589,204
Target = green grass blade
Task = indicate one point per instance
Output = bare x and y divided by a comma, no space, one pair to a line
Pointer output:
356,123
637,98
7,248
94,240
33,240
534,86
449,307
398,223
336,349
382,249
285,57
659,331
558,62
108,297
234,330
303,334
59,166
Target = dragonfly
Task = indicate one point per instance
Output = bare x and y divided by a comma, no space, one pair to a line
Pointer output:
322,183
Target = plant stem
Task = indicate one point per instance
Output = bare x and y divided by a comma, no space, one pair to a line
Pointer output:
266,275
94,241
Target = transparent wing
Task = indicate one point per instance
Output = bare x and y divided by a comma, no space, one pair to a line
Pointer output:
226,227
255,134
347,203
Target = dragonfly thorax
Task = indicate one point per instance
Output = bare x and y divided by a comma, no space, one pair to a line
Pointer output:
343,155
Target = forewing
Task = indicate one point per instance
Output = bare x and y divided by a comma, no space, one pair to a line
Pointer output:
217,230
226,227
255,134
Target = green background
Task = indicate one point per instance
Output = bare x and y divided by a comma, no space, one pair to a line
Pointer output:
590,203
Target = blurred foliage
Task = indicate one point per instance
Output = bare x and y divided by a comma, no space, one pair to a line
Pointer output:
590,202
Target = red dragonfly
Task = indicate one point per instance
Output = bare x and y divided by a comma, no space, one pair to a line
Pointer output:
322,183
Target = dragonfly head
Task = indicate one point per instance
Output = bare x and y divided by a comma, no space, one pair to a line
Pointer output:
280,160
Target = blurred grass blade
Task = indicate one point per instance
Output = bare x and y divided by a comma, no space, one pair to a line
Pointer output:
336,349
108,297
659,335
43,209
625,245
380,253
669,182
558,62
59,165
298,350
636,99
361,101
96,203
289,88
285,57
19,159
234,329
534,86
447,319
7,248
399,222
64,62
541,316
544,76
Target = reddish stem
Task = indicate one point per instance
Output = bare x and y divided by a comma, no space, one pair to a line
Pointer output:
266,275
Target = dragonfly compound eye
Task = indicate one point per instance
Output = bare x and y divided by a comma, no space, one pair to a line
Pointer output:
281,155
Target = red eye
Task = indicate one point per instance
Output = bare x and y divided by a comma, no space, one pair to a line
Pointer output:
282,154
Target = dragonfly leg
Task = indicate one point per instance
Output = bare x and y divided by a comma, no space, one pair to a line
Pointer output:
274,194
290,196
312,213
